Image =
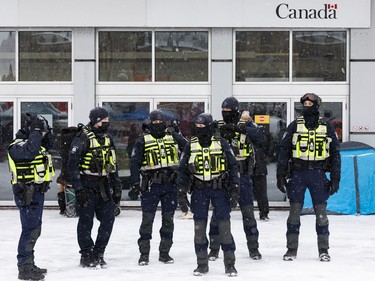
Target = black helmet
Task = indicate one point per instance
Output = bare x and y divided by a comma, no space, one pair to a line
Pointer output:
157,114
231,103
204,118
311,97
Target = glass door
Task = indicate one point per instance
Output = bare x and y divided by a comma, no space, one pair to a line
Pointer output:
272,115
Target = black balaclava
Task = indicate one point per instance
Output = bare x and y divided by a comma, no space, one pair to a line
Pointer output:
311,113
233,115
97,114
157,130
204,134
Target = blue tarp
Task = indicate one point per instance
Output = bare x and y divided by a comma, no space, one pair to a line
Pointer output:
357,186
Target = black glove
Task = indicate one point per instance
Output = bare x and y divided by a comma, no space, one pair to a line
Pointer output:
241,128
82,198
182,200
281,183
134,192
234,195
116,195
333,186
228,131
37,124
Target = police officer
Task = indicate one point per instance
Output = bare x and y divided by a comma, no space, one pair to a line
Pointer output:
308,150
209,165
240,135
31,168
155,158
92,170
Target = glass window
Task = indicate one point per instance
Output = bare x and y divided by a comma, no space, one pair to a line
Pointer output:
331,111
184,112
45,56
262,56
125,56
6,128
319,56
181,56
126,120
7,56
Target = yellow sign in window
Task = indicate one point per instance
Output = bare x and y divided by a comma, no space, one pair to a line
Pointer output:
262,119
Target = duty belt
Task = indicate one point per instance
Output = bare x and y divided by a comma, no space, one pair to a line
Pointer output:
163,176
217,183
308,165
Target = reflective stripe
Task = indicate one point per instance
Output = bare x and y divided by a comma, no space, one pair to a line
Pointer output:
159,153
100,159
39,170
308,144
208,163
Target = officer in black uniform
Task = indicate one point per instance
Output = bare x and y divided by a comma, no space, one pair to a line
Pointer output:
209,167
308,150
92,170
155,159
240,135
31,168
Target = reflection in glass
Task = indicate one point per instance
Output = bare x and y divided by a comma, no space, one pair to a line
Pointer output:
126,120
181,56
262,56
319,56
184,112
7,56
6,128
331,111
272,117
125,56
45,56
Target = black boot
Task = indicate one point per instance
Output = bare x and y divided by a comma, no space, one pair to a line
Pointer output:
39,270
88,261
213,255
143,259
100,261
290,255
30,274
254,254
202,269
230,270
324,256
165,258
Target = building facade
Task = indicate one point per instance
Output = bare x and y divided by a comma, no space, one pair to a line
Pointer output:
62,58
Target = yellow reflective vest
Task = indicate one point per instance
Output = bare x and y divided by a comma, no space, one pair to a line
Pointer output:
207,163
241,146
39,170
100,159
159,153
310,145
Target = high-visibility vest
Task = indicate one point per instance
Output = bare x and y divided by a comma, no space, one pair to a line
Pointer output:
159,153
308,144
100,159
207,163
241,145
38,170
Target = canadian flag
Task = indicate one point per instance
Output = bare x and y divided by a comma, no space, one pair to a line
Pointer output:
331,6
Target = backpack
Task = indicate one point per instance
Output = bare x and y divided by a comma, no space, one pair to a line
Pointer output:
67,136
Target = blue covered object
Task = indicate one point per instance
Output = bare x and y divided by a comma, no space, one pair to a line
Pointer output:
357,186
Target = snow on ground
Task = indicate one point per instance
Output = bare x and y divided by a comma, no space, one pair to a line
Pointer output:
352,250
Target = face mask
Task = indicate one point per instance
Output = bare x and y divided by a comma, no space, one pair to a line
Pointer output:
102,129
309,111
157,130
204,136
230,116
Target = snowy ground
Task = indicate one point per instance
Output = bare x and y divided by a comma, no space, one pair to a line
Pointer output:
352,250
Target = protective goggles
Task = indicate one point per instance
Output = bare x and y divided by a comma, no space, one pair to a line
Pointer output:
311,97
